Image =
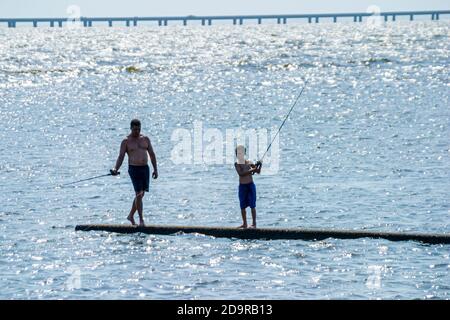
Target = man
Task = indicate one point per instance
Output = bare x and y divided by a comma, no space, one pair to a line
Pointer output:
138,147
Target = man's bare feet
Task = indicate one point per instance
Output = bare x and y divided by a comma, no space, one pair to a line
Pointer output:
141,223
244,226
253,226
131,219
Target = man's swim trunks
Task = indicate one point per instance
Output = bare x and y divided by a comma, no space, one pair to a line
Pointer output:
140,177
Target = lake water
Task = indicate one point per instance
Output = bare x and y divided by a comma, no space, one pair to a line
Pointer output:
366,147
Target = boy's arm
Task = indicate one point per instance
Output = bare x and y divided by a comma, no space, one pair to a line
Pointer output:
241,171
256,166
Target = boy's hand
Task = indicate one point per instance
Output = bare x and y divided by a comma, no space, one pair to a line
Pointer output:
258,167
254,170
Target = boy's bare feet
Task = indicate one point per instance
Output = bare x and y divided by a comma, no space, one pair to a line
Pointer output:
141,223
244,226
253,226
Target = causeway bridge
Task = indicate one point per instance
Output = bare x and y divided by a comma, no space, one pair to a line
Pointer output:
236,19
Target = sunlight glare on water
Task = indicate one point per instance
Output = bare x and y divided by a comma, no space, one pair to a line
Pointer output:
367,147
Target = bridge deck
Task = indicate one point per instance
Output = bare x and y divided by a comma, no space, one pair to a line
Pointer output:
281,18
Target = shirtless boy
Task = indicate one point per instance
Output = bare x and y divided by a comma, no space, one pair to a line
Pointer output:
247,188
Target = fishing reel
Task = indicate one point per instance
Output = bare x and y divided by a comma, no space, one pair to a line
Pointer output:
257,165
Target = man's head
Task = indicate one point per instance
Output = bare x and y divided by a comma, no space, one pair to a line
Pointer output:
240,154
135,127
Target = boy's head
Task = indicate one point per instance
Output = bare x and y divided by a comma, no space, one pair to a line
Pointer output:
240,154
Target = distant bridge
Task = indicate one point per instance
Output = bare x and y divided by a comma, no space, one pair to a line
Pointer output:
238,19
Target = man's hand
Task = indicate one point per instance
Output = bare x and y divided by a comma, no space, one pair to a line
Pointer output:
114,172
155,174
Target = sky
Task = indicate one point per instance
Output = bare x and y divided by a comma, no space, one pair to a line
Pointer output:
112,8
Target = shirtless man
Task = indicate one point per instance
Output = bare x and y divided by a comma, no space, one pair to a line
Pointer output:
247,188
138,147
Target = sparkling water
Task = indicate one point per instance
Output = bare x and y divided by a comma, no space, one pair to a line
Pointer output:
366,148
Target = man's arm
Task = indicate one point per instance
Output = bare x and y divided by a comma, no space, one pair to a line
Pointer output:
123,150
152,159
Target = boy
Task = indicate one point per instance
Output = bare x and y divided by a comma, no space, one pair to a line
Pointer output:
247,188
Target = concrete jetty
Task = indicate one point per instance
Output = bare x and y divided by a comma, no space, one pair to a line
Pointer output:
270,233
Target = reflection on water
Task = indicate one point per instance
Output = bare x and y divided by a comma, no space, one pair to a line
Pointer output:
365,148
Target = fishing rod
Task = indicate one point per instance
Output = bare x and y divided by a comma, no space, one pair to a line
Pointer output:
104,175
279,129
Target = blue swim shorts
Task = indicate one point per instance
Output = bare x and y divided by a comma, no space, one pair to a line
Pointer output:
247,195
